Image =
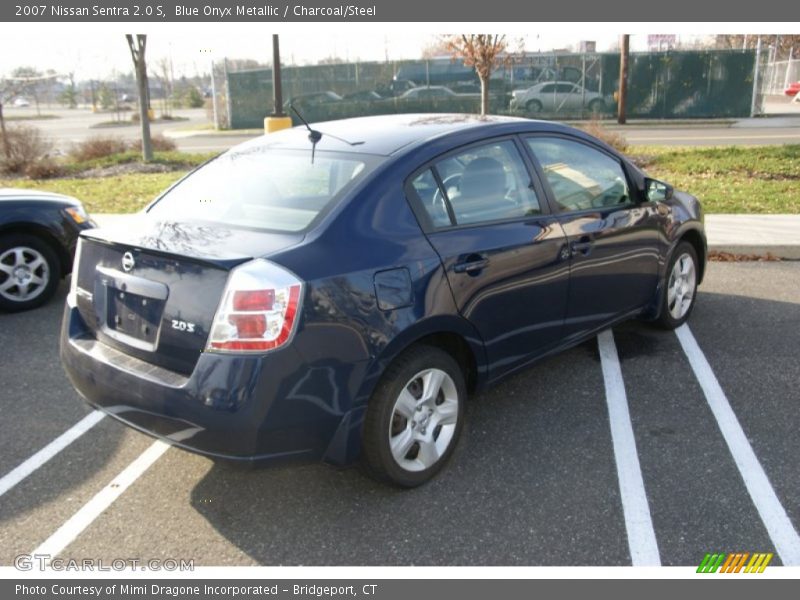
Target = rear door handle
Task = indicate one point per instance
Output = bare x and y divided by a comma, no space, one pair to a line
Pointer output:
472,264
583,246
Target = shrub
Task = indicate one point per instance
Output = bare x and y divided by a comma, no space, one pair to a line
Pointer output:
160,144
45,168
22,147
616,140
97,147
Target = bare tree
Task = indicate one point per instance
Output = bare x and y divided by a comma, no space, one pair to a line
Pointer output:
138,48
164,72
783,44
437,47
10,87
482,51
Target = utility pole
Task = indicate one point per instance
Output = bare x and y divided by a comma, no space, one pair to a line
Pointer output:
622,99
277,120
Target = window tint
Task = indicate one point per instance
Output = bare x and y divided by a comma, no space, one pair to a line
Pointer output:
565,88
484,183
580,177
548,89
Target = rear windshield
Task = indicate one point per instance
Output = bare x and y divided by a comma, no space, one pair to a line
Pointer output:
264,188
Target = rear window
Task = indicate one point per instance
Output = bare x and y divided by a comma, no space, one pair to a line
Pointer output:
264,188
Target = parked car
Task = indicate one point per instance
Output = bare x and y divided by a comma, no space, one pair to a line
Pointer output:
793,89
315,99
431,92
38,234
556,96
21,103
271,306
363,96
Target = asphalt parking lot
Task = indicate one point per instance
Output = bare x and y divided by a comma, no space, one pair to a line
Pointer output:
536,479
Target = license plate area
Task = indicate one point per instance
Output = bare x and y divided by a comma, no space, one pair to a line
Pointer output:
133,315
129,308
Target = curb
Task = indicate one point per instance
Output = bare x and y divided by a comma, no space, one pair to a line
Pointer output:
783,251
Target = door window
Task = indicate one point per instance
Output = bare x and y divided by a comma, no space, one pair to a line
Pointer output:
580,177
482,184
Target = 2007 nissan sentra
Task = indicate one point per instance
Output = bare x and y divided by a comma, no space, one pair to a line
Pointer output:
335,294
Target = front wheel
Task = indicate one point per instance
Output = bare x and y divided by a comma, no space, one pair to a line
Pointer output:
29,272
414,417
680,292
534,106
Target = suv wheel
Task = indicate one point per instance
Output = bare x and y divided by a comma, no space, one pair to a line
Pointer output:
414,417
29,272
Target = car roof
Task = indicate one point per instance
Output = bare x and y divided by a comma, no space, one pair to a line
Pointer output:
385,135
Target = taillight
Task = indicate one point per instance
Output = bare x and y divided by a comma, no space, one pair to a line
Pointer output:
259,309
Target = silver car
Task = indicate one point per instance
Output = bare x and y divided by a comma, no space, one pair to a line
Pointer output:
557,96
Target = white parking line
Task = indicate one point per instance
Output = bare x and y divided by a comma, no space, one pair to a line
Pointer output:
641,535
45,454
65,534
779,526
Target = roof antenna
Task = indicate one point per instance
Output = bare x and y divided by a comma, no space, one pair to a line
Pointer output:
314,136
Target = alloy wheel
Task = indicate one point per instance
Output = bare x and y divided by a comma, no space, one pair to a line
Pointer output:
424,420
24,274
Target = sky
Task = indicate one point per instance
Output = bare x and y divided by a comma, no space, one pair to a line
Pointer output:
97,51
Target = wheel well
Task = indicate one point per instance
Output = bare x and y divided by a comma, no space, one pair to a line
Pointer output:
457,347
43,234
694,238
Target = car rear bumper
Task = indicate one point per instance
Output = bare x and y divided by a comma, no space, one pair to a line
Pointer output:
253,408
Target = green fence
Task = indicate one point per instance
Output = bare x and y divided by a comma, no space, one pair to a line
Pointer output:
662,85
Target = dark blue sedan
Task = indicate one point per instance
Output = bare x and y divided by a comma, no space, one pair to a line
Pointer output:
337,293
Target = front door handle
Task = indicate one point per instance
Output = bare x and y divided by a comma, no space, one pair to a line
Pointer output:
582,246
473,263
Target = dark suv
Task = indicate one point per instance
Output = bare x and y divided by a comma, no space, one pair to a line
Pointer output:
336,294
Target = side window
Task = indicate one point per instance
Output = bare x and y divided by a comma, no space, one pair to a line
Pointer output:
482,184
565,88
431,198
548,89
581,177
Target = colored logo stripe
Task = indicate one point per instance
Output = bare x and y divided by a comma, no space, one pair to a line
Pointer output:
734,562
710,563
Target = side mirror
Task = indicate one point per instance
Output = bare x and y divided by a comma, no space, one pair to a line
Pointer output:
657,191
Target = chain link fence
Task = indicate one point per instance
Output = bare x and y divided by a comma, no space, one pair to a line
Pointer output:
662,85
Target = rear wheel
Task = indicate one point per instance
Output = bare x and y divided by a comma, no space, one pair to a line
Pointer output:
680,291
29,272
414,417
597,107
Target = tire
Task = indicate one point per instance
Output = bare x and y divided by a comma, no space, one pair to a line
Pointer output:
534,106
409,431
597,107
29,272
681,280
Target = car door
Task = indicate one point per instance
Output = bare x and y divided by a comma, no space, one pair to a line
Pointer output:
547,96
612,231
566,99
505,257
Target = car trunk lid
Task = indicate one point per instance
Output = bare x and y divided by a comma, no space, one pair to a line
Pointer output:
150,288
